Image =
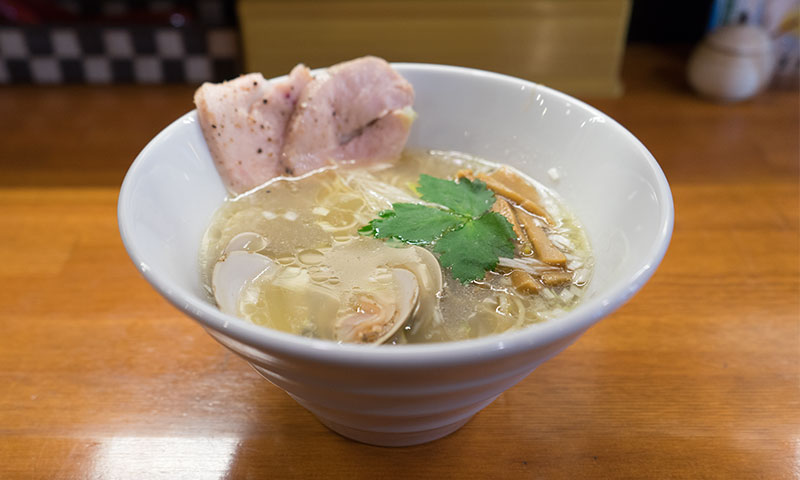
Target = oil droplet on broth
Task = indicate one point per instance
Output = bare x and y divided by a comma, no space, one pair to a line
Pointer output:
285,261
310,257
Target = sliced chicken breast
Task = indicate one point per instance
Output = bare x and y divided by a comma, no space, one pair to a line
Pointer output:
244,123
356,112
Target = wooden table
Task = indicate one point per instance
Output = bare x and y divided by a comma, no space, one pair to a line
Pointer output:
697,377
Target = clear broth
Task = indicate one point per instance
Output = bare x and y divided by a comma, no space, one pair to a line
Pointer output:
300,217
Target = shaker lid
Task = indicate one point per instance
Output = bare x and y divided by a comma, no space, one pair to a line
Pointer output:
743,40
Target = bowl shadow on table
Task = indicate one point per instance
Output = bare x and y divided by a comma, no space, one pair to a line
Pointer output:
583,411
525,430
555,423
298,443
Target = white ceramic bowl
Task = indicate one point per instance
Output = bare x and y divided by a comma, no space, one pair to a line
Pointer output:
411,394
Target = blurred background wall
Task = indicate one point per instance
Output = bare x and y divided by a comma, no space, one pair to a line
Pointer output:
574,45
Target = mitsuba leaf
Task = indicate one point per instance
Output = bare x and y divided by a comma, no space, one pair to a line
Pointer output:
474,248
465,197
412,223
468,237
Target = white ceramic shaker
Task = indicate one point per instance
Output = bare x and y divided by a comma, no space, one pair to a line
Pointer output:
732,63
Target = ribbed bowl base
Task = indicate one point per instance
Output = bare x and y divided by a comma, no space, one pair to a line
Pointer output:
393,439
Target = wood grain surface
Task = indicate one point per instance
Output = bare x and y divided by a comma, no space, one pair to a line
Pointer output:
697,377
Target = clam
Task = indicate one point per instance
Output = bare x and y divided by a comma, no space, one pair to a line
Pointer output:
429,275
378,289
233,272
376,318
358,259
246,241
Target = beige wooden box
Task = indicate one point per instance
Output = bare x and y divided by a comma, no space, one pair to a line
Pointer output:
571,45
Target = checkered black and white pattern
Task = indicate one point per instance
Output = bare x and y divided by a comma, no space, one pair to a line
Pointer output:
100,55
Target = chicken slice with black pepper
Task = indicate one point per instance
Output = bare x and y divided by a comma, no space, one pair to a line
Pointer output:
244,123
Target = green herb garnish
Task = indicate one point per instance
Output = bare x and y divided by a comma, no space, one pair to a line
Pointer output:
468,237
